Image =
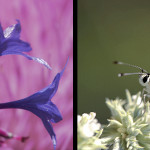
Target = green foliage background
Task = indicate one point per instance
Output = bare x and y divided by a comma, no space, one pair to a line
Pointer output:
110,30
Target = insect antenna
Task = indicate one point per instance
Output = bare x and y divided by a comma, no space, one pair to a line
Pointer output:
127,74
122,63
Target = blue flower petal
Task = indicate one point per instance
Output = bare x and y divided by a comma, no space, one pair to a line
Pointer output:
10,44
41,105
17,47
13,31
61,73
50,130
45,95
14,47
51,111
39,60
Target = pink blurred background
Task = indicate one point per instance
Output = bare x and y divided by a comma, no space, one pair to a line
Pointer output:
48,26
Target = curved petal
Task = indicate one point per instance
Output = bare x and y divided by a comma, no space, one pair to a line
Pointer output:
45,95
39,60
12,46
50,130
17,47
61,73
13,31
39,98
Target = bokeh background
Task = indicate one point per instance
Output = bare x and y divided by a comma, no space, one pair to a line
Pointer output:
48,27
107,31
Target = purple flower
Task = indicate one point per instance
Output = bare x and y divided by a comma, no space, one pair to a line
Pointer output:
10,43
41,105
48,27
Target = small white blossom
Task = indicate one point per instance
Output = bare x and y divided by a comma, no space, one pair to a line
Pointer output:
88,124
89,132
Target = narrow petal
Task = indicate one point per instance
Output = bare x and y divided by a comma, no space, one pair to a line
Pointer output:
39,60
13,31
61,73
50,130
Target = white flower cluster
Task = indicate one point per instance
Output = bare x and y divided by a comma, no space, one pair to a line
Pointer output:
89,132
128,128
129,124
88,125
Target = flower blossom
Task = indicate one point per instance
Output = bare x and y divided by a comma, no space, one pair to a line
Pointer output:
88,124
41,105
10,43
129,126
48,27
89,132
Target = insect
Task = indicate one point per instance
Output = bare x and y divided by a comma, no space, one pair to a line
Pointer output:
144,78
